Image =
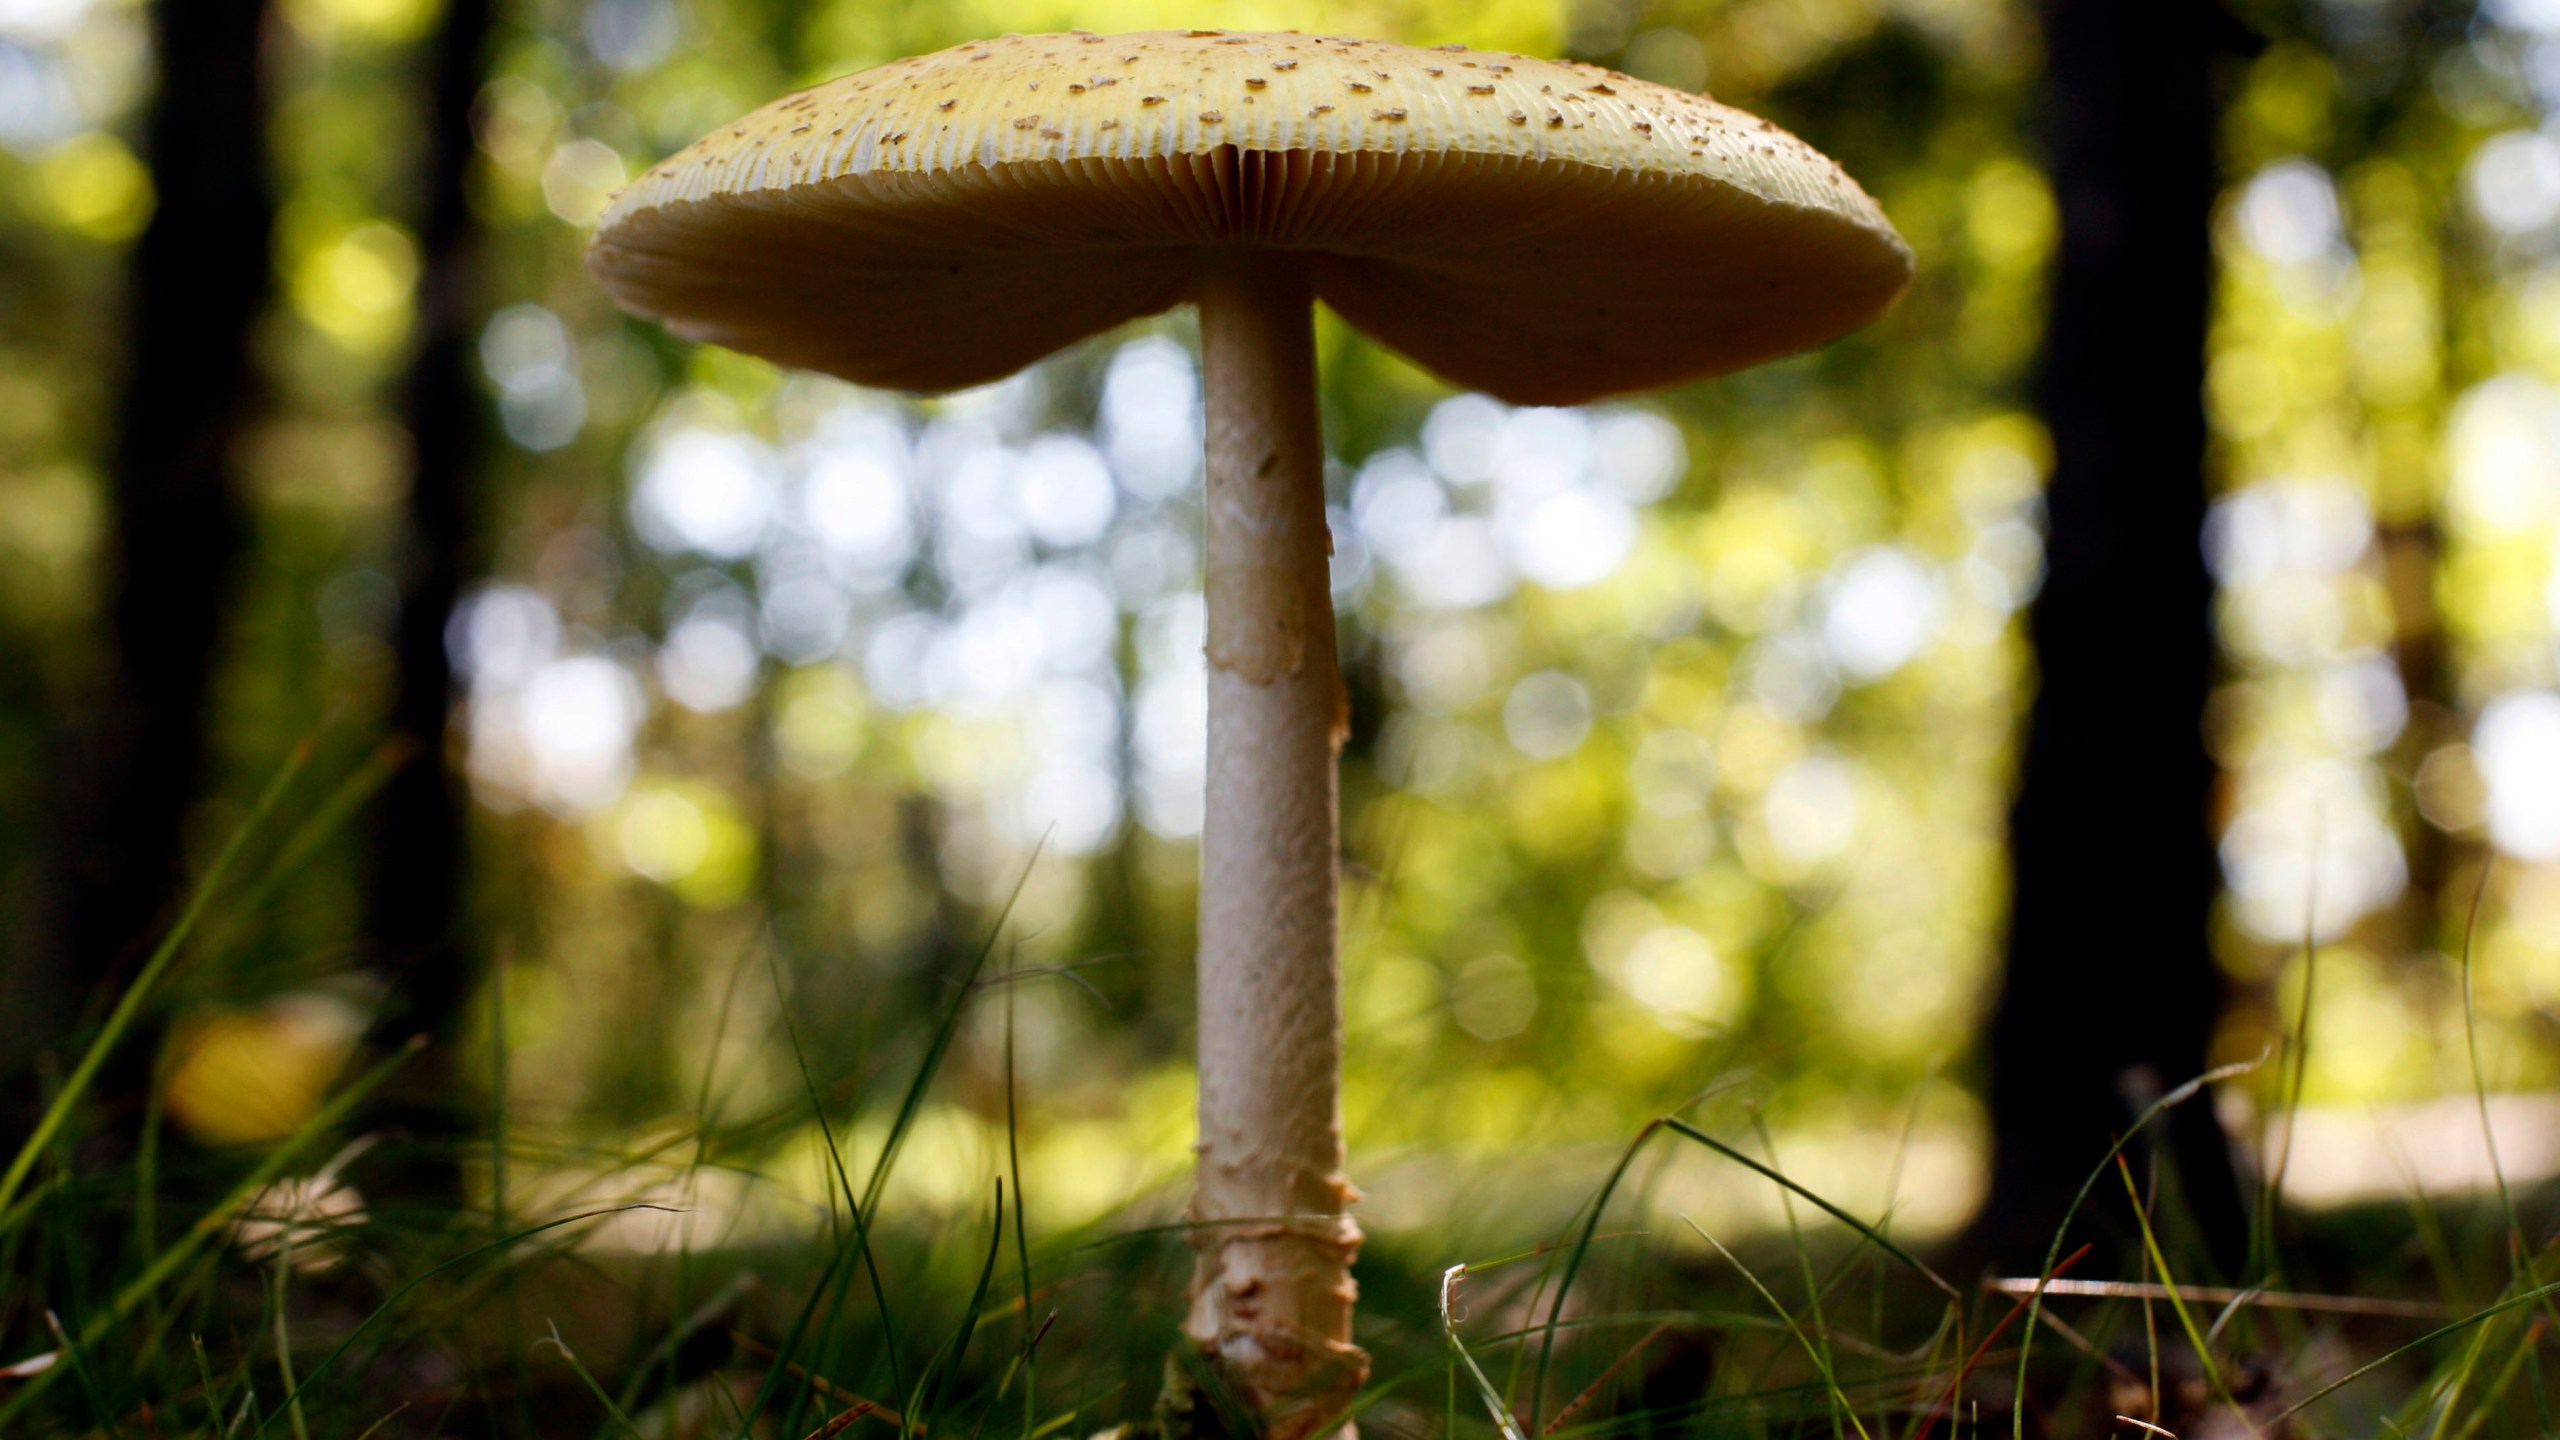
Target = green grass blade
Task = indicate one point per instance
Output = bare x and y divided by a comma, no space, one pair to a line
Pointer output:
2196,1338
1804,1261
1870,1233
1573,1259
945,1030
213,1222
866,1208
828,1295
392,1301
277,1270
2262,1230
129,1005
204,1374
324,821
933,1388
555,1342
862,1212
2512,1302
2053,1253
1021,1232
1820,1356
79,1365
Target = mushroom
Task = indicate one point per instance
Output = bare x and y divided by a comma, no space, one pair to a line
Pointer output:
1547,232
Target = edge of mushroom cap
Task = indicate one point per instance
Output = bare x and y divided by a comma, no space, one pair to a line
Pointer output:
741,157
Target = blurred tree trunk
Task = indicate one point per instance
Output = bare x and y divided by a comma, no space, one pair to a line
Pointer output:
2112,990
132,768
415,898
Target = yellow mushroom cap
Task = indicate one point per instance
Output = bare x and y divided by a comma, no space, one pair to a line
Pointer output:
1544,231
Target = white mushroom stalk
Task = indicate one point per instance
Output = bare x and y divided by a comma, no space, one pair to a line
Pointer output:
1272,1295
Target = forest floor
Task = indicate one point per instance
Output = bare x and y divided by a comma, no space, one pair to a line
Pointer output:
367,1276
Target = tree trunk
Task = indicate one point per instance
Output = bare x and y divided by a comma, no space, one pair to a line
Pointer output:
2112,990
415,935
133,768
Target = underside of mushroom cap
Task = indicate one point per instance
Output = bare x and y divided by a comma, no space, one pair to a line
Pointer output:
1547,232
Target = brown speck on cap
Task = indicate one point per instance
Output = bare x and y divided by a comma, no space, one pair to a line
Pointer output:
1546,263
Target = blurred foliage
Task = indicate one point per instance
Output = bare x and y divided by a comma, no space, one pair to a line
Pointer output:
1683,733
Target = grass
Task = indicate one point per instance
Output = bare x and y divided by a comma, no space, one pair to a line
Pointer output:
135,1301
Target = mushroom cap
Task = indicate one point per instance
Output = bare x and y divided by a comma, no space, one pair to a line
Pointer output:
1547,232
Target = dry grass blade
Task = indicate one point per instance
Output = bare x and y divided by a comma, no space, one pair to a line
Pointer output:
842,1420
1494,1404
857,1407
2225,1295
2035,1292
1592,1391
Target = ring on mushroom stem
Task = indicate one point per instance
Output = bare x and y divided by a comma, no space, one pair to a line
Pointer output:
945,220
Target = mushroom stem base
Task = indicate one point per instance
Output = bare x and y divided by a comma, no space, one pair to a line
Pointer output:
1272,1295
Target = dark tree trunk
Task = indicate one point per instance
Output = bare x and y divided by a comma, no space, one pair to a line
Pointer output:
415,896
2112,992
133,768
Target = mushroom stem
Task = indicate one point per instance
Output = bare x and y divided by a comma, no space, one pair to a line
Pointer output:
1272,1295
